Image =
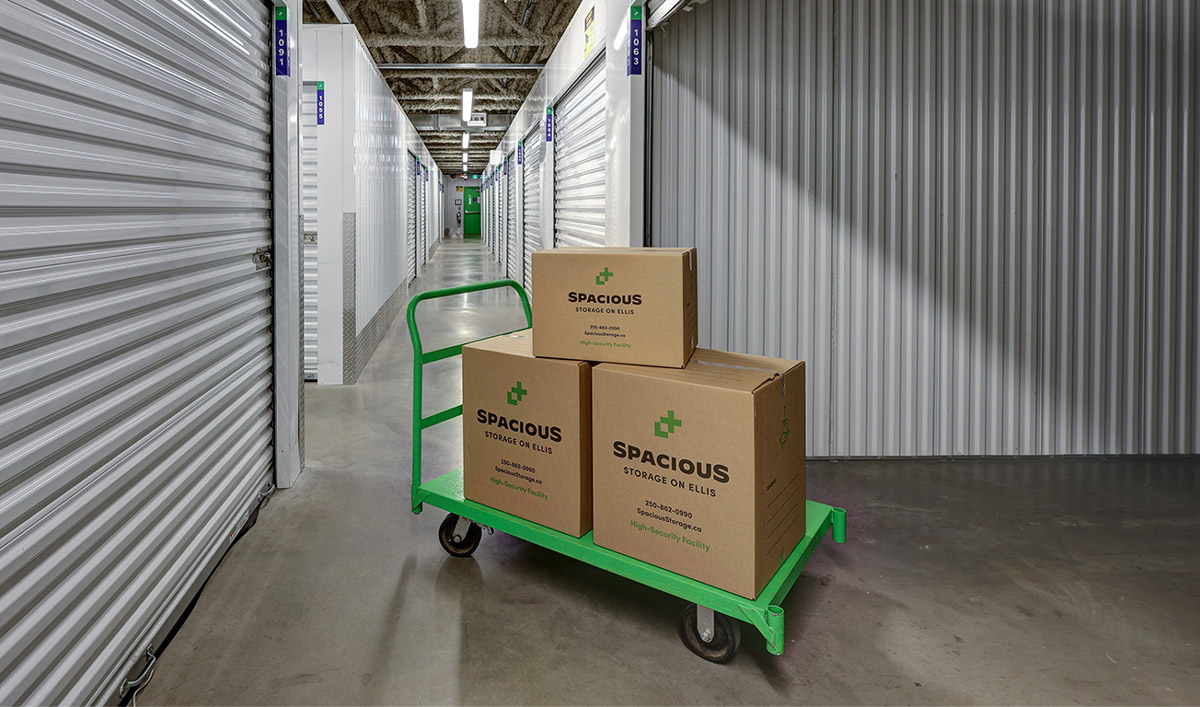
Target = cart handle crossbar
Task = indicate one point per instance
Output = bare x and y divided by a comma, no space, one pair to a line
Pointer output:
420,358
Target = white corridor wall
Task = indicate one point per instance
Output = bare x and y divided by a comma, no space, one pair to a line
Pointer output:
364,206
615,205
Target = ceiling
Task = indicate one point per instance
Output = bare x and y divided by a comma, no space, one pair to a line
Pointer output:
431,32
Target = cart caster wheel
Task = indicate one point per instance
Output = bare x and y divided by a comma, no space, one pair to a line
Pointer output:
466,545
723,644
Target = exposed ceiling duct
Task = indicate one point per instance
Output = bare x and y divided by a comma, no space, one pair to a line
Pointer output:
418,46
401,40
472,66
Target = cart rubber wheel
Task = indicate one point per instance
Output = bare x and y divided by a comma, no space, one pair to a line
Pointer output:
722,646
467,546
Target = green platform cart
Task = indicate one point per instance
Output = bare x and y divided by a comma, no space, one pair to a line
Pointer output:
709,627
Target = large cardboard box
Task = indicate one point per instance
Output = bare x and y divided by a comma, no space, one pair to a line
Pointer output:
527,433
701,470
623,305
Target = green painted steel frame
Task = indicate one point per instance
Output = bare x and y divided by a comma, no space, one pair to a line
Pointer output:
445,492
420,358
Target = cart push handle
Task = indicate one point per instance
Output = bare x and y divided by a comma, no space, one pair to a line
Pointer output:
420,358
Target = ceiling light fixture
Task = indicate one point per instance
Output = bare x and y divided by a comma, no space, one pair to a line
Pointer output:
466,140
468,98
464,158
470,10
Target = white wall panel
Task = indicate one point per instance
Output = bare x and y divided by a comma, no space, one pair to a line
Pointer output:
570,59
976,221
379,159
364,254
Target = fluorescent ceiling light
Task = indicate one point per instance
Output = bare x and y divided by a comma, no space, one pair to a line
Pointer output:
464,158
466,140
470,10
468,98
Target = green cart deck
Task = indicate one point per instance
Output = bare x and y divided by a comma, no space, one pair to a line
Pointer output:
446,492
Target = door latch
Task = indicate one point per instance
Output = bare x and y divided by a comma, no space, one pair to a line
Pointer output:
262,258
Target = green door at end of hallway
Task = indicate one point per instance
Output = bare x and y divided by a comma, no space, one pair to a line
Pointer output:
470,212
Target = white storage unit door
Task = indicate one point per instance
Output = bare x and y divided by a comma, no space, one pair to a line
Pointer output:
579,162
423,214
411,216
491,193
308,198
532,198
502,213
513,252
135,324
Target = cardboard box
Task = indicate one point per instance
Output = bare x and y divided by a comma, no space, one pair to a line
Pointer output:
623,305
527,433
701,470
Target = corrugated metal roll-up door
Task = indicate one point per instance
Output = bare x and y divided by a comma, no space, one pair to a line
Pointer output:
579,162
491,192
532,200
135,324
423,238
513,252
411,216
502,214
308,198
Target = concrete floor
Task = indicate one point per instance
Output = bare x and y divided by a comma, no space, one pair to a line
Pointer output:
963,582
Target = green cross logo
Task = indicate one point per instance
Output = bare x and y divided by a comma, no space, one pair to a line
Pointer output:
603,277
670,421
783,436
516,393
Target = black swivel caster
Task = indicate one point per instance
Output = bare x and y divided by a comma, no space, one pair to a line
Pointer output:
717,643
465,543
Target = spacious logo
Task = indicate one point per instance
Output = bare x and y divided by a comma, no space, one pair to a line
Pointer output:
783,436
604,276
516,393
670,421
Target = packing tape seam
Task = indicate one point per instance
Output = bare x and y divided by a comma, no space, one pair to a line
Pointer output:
774,373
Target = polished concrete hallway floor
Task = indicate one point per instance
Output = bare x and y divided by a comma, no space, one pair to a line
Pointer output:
963,582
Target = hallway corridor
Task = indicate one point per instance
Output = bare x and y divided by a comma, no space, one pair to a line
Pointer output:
339,595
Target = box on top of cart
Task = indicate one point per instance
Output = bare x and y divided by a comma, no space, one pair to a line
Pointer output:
700,470
527,433
622,305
